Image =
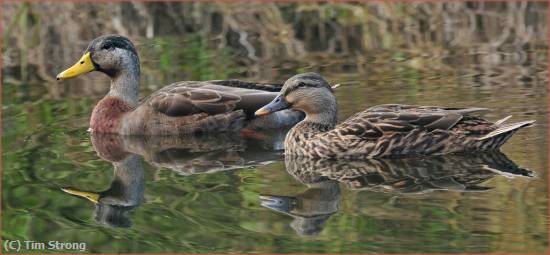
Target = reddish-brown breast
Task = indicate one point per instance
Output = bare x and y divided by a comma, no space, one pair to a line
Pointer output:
107,115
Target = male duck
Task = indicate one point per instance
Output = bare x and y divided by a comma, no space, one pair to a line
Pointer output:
180,108
383,130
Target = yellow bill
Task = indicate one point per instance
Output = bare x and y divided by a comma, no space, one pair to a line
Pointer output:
94,197
84,65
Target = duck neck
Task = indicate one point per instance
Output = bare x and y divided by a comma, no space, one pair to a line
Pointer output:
324,116
125,83
313,124
321,120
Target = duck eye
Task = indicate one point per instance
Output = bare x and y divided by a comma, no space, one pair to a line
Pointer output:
301,84
107,46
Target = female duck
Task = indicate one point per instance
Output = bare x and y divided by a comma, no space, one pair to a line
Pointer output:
180,108
380,131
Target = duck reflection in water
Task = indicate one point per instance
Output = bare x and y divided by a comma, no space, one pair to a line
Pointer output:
182,154
210,153
312,208
127,187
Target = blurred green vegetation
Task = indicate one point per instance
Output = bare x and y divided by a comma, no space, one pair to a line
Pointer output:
207,64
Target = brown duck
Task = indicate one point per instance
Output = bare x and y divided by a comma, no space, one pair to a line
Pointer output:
180,108
383,130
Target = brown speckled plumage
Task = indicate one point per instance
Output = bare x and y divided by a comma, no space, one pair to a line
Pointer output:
384,130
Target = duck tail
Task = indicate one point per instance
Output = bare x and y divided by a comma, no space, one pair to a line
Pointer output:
506,130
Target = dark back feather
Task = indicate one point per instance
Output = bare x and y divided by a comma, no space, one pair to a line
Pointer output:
385,119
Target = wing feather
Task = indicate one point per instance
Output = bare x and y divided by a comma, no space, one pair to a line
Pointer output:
211,97
392,118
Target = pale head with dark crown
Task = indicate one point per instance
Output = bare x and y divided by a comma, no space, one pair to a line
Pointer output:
109,54
307,92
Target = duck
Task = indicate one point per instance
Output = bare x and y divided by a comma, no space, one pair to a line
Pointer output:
389,130
185,107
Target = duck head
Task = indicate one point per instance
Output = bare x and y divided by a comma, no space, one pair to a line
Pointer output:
115,56
307,92
109,54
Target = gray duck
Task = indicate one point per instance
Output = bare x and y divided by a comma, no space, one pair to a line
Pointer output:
383,130
180,108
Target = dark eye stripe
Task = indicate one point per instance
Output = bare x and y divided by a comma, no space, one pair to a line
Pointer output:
300,85
303,84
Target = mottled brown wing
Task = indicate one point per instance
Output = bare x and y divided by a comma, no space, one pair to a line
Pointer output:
252,97
211,97
248,85
182,100
386,119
